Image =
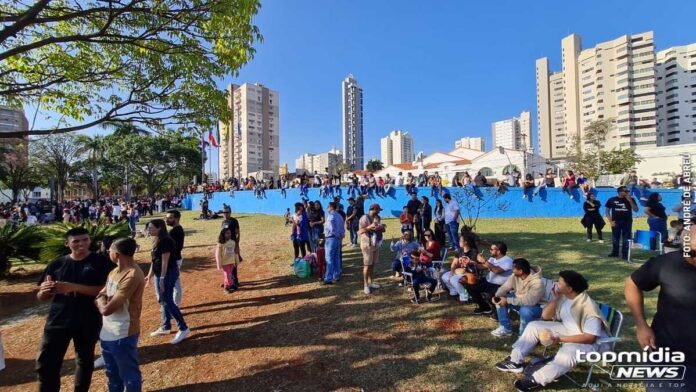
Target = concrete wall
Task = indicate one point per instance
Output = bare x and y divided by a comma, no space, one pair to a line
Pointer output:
551,202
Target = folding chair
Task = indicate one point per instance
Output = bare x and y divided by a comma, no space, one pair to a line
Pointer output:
615,320
408,276
436,271
645,240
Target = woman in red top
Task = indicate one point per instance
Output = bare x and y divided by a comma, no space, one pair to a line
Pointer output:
427,254
569,184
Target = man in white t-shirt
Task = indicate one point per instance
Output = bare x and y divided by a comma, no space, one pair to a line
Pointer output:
578,324
452,221
499,267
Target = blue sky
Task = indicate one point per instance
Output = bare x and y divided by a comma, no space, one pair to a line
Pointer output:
439,70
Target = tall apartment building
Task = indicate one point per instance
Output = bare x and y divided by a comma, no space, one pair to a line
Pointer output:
14,120
251,141
514,133
352,123
675,70
323,163
613,80
472,143
397,148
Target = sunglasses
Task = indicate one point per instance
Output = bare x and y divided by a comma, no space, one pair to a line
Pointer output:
427,235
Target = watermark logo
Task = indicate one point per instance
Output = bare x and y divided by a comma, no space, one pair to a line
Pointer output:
687,202
647,365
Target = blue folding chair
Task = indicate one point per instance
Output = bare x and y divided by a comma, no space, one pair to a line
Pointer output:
645,240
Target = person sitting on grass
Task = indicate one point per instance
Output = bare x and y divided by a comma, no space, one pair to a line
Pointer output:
499,267
577,324
461,263
405,246
425,256
522,291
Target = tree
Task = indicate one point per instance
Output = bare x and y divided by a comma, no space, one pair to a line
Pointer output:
122,129
619,161
17,177
474,200
21,243
55,156
152,62
584,154
374,165
88,170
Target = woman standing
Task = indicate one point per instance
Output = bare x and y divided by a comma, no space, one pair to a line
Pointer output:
592,217
226,259
316,224
132,219
657,218
439,217
370,230
300,231
166,273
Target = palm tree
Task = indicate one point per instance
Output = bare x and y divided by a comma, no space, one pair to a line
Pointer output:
93,147
22,243
123,128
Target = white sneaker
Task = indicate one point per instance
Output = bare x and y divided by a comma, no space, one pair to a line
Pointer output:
99,363
501,331
462,299
161,332
366,290
589,240
601,241
375,286
181,335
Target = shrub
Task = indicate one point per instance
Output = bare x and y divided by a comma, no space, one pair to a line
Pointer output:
21,243
54,244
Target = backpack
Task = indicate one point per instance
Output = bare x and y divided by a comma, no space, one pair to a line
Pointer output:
301,268
311,260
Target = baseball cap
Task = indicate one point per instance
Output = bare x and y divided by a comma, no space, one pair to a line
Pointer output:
375,206
227,209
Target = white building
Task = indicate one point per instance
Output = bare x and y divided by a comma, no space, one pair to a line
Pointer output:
14,120
676,95
513,133
352,122
251,141
324,163
397,147
663,162
474,143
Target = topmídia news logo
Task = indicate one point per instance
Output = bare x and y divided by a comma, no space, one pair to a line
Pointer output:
647,365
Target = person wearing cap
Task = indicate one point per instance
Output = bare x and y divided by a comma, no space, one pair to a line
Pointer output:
619,212
370,229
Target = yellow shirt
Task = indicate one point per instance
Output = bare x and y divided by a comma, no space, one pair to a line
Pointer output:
226,253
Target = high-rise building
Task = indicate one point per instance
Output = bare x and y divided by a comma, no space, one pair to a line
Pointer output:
14,120
676,95
397,148
324,163
472,143
250,143
514,133
352,123
613,80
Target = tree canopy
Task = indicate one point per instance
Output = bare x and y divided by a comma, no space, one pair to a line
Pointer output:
151,62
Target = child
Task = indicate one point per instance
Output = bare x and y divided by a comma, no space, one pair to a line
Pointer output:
406,220
675,233
321,259
227,260
288,220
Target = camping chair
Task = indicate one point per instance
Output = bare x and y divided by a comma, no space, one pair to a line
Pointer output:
408,276
615,320
645,240
436,271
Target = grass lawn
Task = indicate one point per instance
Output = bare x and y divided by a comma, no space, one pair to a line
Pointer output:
282,333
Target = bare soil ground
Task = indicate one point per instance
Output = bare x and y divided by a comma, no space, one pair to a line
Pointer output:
280,333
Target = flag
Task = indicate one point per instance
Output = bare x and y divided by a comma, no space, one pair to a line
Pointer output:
211,137
204,144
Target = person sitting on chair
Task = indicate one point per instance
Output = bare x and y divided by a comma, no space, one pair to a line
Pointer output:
578,323
499,267
522,291
452,279
405,246
425,256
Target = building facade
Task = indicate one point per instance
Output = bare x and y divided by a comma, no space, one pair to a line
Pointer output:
250,143
675,70
514,133
14,120
613,80
324,163
352,122
397,147
473,143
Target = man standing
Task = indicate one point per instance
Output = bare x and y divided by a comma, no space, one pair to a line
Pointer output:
452,220
426,214
233,224
120,303
619,212
673,323
177,233
333,234
71,283
352,222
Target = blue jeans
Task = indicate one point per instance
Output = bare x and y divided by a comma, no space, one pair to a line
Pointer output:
420,278
453,231
121,364
620,232
166,300
316,232
283,193
659,225
333,259
527,314
353,229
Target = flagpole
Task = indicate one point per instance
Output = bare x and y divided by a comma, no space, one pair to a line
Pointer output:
202,159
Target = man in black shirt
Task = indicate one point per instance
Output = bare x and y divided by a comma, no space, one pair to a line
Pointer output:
673,323
177,233
426,212
413,205
619,212
71,282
